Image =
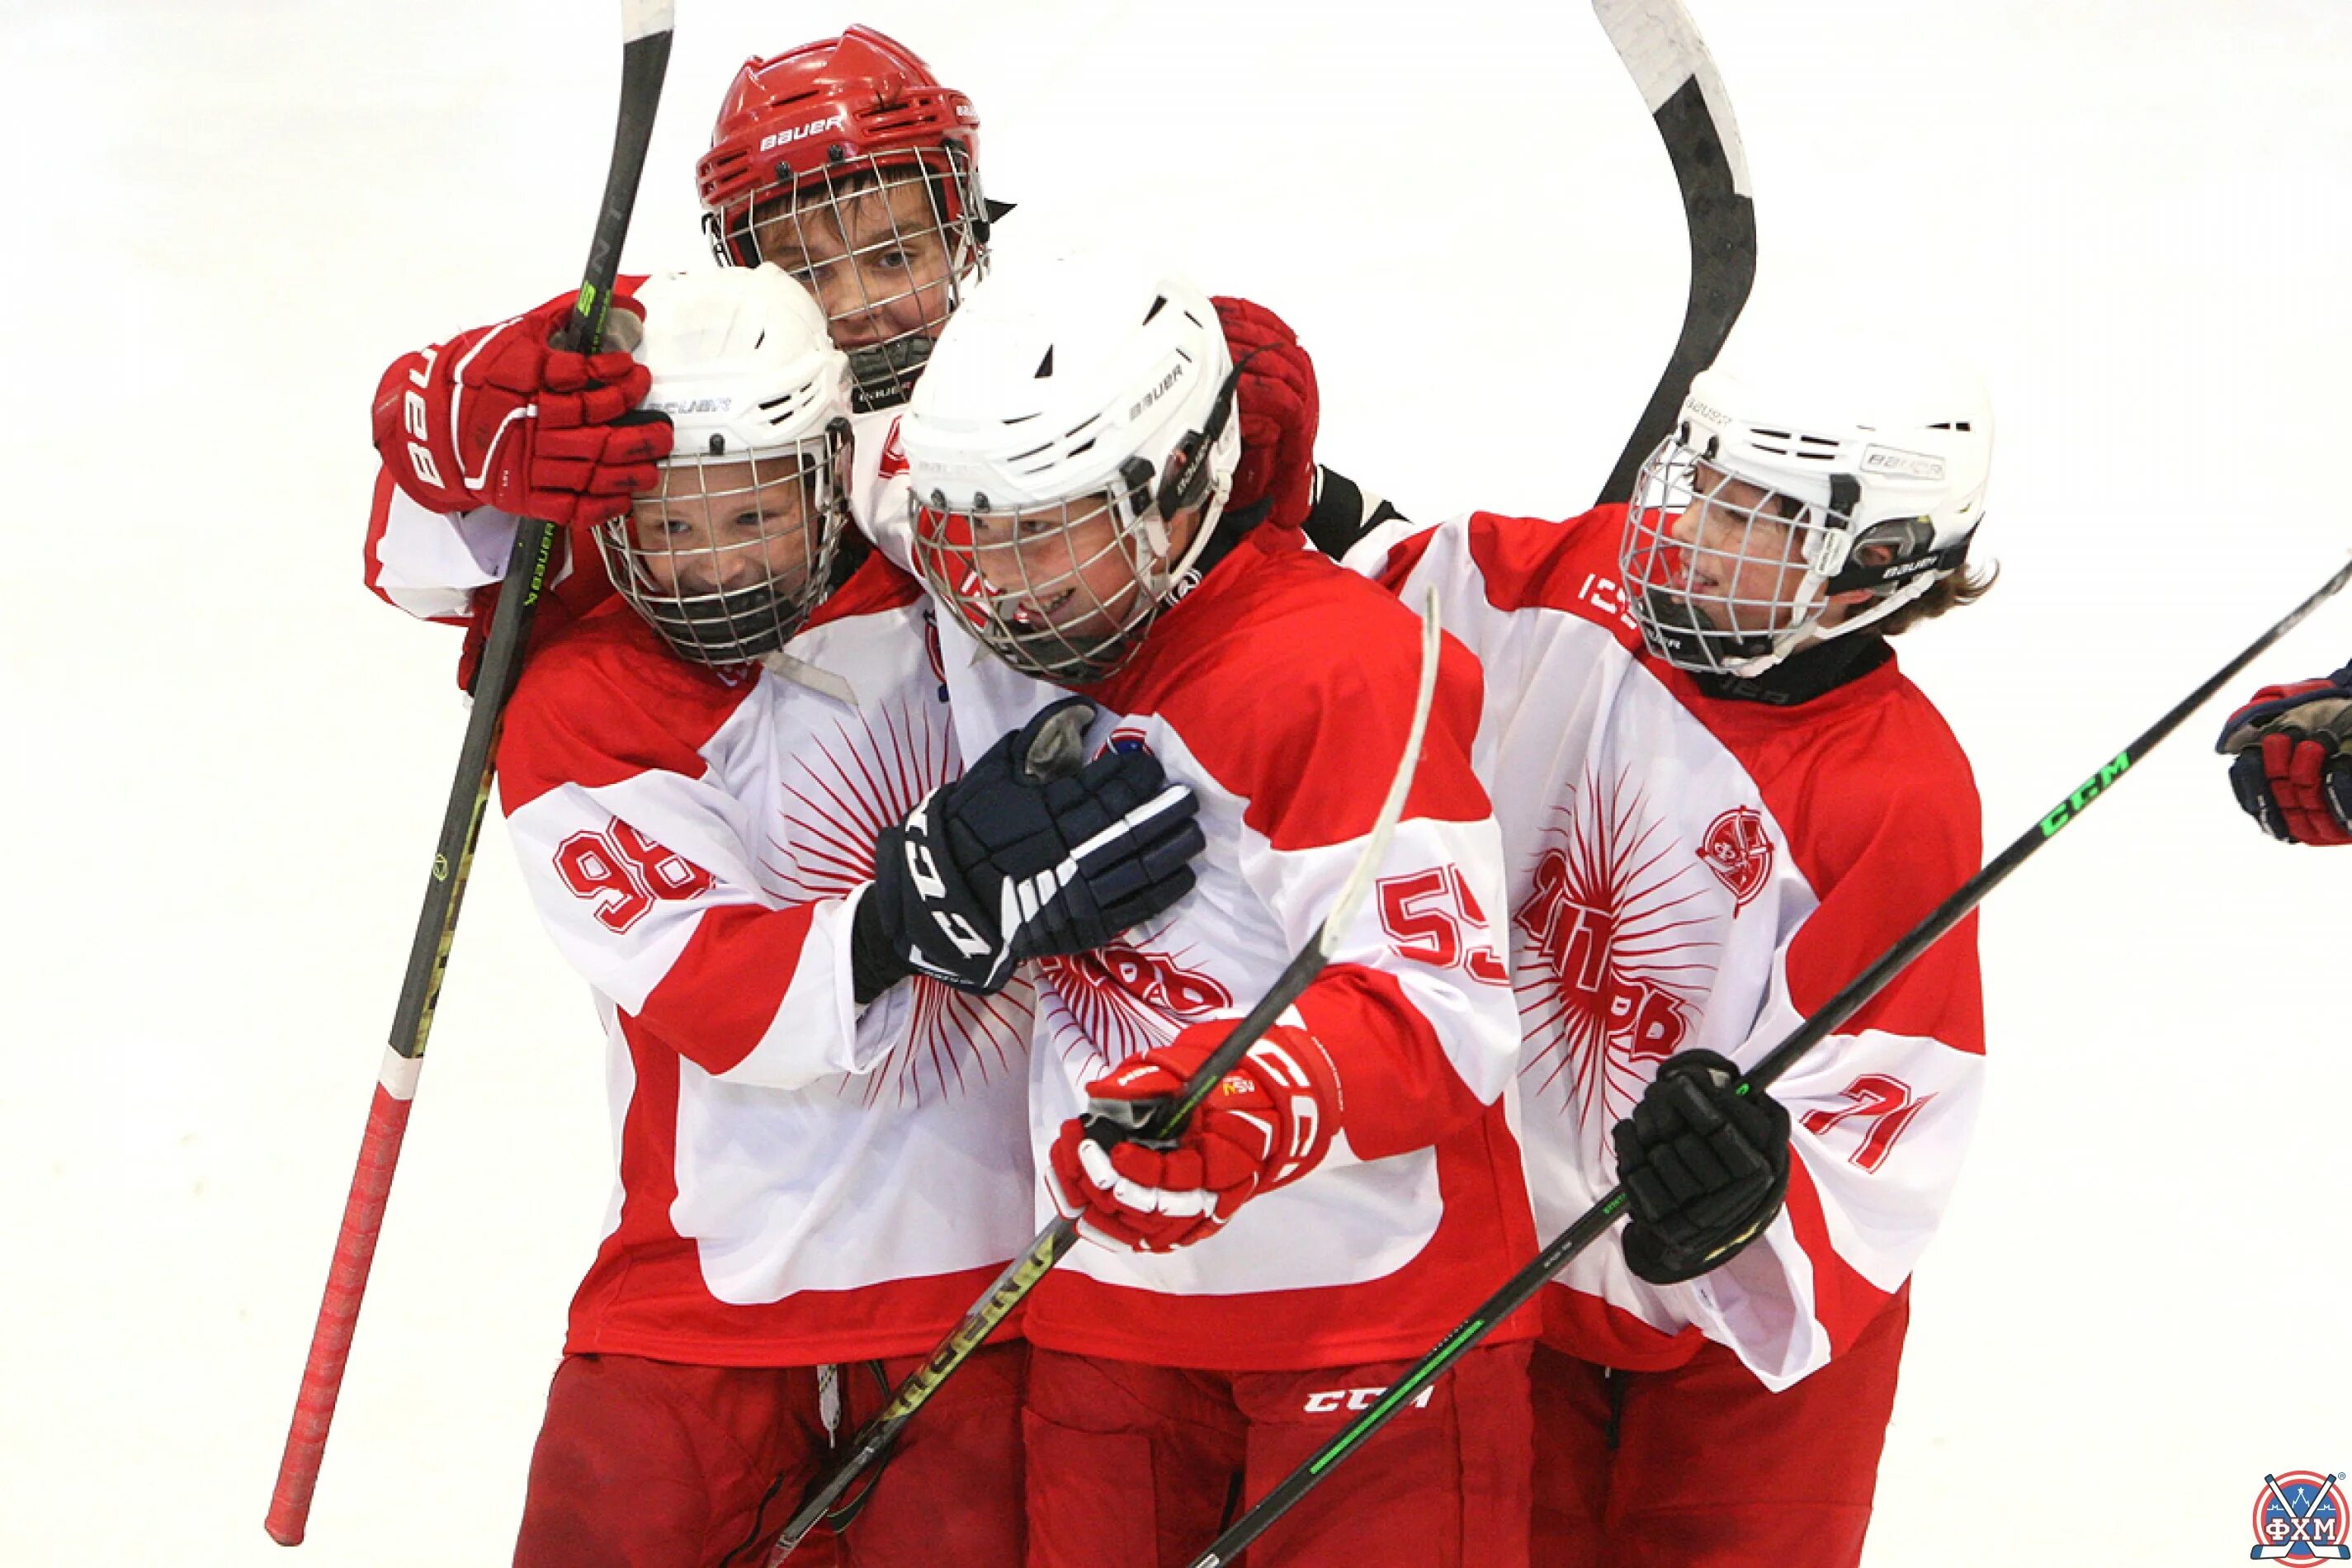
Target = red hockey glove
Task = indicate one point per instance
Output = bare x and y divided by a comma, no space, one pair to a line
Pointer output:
498,417
2291,774
1268,1122
1278,409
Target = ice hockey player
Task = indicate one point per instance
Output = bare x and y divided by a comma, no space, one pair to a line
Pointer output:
2288,767
1353,1187
1720,800
844,160
736,794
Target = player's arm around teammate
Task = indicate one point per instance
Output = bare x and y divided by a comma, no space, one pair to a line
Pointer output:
1719,800
847,162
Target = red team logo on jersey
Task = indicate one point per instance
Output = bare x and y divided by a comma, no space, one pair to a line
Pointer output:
1610,952
1739,852
1162,984
1122,1001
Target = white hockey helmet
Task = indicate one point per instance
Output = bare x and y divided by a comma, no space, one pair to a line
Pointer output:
1070,413
1874,467
729,556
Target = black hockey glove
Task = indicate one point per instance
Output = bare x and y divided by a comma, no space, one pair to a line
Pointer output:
1705,1168
1034,851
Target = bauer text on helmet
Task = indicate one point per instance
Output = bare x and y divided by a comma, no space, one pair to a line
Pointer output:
846,163
1070,450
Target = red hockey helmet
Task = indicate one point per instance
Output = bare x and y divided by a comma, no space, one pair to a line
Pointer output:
846,163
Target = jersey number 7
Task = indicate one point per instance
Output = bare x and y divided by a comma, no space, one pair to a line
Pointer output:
1885,1103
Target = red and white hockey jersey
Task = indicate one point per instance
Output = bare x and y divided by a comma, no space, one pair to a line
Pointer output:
801,1181
1280,689
1289,734
1691,871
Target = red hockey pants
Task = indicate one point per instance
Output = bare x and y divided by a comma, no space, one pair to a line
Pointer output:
1132,1465
1709,1468
646,1464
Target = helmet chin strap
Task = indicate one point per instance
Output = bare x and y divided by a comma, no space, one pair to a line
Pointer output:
882,376
1893,583
1189,481
1190,474
1813,634
1911,577
1198,554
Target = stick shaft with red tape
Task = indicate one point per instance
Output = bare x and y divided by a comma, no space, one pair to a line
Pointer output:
645,60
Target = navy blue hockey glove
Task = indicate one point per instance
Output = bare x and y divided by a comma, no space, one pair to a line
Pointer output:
1705,1168
1034,851
2290,771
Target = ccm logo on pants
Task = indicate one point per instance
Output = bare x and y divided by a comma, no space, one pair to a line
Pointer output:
1335,1399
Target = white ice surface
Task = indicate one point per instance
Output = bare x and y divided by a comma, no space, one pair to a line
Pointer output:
226,762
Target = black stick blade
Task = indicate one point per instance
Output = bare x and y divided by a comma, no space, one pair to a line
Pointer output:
1662,52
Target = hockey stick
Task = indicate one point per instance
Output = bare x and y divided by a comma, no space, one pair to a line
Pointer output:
645,26
1660,48
1057,1239
1521,1287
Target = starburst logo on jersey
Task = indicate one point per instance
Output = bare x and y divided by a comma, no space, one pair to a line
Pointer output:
2300,1518
838,795
1612,945
1739,852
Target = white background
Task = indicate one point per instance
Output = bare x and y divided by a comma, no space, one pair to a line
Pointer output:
226,762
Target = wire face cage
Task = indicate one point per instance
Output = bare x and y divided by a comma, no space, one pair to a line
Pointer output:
887,242
1063,591
730,554
1722,575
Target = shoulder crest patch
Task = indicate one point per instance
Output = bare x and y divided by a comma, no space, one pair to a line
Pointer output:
1739,852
